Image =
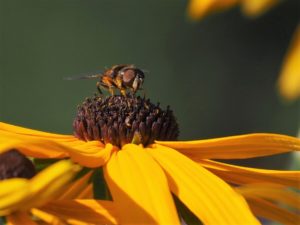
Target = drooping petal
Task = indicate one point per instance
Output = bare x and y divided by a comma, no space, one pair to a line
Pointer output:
86,193
35,148
197,9
254,8
273,193
92,156
30,132
139,188
13,193
289,80
89,154
236,147
271,211
18,194
8,131
82,211
244,175
46,217
19,218
207,196
76,187
51,182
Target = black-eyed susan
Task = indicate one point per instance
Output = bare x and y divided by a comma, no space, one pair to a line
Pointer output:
20,191
50,196
289,79
135,143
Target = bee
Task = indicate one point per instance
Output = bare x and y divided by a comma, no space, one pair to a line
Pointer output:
121,77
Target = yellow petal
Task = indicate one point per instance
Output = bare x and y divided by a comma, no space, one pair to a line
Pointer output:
257,7
268,210
19,218
139,188
289,80
50,182
92,156
30,132
197,9
242,175
83,211
87,193
35,148
89,154
77,187
13,193
208,197
272,193
12,133
48,218
236,147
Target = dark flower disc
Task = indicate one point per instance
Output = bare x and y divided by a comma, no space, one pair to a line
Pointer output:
14,164
120,119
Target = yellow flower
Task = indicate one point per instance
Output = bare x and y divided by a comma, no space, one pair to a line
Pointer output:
289,79
31,201
141,177
20,195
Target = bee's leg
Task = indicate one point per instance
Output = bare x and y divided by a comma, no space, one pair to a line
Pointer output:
123,91
111,90
99,87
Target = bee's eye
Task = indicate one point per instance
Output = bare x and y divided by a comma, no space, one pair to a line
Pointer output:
128,75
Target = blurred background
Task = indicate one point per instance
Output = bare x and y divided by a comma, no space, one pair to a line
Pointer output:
218,75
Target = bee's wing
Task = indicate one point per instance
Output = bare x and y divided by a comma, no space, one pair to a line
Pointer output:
84,77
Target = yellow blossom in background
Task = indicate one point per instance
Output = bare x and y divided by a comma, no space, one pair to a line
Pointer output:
289,79
141,179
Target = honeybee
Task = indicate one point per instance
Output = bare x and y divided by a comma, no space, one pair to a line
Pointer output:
122,77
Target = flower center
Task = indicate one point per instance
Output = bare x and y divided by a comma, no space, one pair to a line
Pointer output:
121,120
15,164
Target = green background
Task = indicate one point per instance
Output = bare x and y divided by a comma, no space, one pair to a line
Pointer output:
218,75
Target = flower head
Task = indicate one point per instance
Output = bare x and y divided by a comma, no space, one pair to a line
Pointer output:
118,132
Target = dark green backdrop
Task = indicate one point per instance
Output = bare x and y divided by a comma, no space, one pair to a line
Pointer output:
218,74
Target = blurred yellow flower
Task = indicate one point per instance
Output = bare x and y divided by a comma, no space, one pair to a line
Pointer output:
51,198
141,179
19,195
289,79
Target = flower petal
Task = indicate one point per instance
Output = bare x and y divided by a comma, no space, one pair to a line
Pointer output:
13,193
82,211
139,188
89,154
46,217
236,147
289,80
92,156
271,211
274,193
197,9
208,197
254,8
76,187
19,218
50,182
87,193
30,132
34,148
22,194
244,175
